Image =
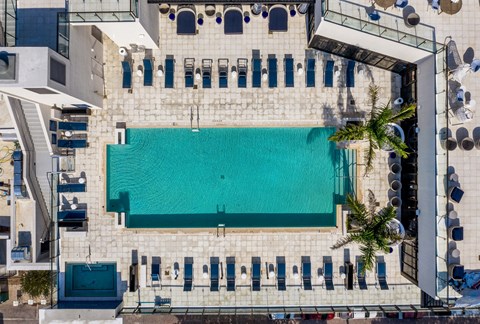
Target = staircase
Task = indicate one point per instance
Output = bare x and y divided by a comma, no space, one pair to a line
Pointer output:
43,160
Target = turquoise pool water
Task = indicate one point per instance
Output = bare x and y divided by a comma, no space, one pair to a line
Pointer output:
239,177
93,280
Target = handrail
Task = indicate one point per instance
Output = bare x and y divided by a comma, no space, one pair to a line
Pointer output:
29,157
10,13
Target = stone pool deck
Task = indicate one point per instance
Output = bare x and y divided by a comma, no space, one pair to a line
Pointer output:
279,107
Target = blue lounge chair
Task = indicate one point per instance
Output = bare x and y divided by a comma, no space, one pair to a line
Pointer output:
169,72
272,72
72,215
328,275
328,77
73,143
188,276
230,273
213,274
281,273
155,274
382,275
147,72
455,194
456,271
456,233
233,21
350,74
223,73
256,275
127,75
362,284
17,184
289,76
306,273
72,126
278,19
207,73
71,187
71,218
256,72
186,22
401,4
189,66
242,66
310,75
374,15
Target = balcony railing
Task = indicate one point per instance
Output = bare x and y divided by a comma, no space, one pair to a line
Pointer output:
95,12
391,27
10,22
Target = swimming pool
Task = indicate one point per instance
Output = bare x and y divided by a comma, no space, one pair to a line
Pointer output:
239,177
91,280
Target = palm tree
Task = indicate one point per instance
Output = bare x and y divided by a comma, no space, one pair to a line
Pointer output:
36,283
376,131
370,229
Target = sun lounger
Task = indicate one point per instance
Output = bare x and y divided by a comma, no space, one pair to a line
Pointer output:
310,75
401,4
188,275
362,284
455,194
328,275
242,66
272,72
155,273
169,72
189,66
278,19
72,126
350,74
281,273
382,275
72,143
231,274
289,76
456,233
147,72
214,274
348,275
207,73
256,72
186,22
328,77
456,271
256,275
71,218
127,75
223,73
233,21
71,187
17,184
306,273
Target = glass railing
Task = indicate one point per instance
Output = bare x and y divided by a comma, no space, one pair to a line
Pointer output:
92,11
63,34
10,22
441,156
389,26
104,16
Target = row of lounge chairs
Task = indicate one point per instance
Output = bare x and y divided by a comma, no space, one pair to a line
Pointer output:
205,72
76,141
280,274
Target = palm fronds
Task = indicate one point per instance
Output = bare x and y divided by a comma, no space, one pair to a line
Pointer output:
376,130
373,233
